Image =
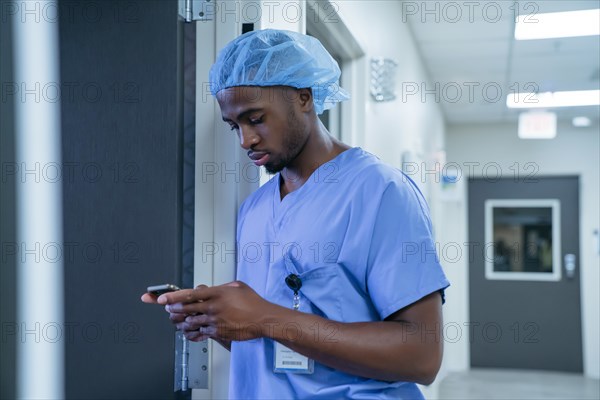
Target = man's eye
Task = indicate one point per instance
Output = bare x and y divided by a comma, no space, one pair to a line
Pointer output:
255,121
233,127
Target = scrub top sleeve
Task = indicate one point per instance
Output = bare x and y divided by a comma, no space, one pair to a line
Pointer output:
403,265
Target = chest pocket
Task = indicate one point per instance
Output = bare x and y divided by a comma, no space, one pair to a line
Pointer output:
329,291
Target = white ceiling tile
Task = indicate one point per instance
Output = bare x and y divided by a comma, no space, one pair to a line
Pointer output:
475,49
463,31
558,47
480,51
546,6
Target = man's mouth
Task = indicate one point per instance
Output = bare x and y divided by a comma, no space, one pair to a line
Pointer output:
259,158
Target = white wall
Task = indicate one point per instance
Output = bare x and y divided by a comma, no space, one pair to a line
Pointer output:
395,126
572,152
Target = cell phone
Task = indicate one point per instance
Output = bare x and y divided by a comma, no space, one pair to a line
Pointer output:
157,290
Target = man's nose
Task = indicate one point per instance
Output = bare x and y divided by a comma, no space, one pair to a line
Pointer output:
248,138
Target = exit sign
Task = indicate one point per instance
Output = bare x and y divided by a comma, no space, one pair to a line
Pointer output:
537,125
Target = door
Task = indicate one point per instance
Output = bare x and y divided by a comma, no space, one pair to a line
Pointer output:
524,282
122,188
8,180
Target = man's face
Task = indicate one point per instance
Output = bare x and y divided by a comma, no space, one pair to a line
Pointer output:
268,122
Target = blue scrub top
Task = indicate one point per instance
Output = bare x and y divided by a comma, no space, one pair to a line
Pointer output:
359,236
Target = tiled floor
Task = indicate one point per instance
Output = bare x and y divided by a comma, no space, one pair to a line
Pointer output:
515,384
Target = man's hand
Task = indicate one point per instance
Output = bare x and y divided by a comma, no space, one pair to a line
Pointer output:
227,312
407,346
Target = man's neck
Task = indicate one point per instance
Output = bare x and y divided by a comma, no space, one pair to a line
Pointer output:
319,149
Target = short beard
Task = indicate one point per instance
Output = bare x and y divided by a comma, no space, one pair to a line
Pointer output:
293,143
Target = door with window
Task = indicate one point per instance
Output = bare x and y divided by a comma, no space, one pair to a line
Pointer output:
524,284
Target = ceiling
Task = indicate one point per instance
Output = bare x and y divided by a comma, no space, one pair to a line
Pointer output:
475,62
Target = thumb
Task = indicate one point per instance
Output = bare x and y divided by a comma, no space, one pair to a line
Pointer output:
235,284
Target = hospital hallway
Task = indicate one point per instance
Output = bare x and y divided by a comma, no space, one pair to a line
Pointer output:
454,148
505,384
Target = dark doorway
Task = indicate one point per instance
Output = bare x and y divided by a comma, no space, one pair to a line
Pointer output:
122,151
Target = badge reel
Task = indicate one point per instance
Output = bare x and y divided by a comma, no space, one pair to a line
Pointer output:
287,360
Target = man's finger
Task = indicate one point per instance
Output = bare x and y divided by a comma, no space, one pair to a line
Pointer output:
180,296
187,308
195,336
149,298
234,284
200,293
177,317
198,320
193,323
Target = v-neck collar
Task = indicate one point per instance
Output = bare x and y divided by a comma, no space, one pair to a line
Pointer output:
281,207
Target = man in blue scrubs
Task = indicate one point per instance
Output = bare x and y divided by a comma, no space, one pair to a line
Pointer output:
339,290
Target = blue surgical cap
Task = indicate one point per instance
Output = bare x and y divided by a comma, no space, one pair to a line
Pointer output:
279,58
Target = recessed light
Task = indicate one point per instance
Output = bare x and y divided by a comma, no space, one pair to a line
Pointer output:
554,99
558,24
581,122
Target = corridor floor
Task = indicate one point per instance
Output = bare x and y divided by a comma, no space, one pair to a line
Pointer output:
517,384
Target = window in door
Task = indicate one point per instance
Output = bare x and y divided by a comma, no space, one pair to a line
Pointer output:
522,239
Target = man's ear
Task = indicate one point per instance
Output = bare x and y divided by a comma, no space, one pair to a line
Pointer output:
305,99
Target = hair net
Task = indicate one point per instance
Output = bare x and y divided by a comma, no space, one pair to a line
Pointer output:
275,57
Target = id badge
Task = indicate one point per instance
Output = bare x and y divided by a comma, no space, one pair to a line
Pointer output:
288,361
